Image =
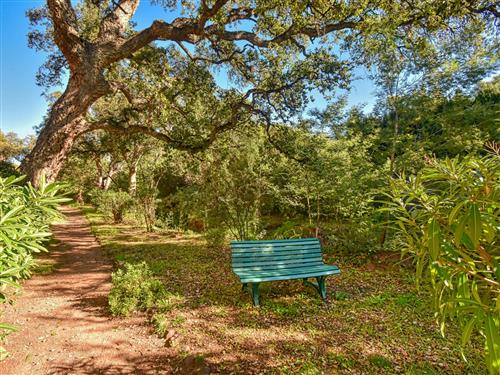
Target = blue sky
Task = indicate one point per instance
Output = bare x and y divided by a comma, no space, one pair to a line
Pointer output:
21,105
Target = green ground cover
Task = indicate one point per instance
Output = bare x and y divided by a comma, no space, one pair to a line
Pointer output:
374,322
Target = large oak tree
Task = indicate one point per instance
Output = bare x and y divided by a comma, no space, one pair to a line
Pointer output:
273,52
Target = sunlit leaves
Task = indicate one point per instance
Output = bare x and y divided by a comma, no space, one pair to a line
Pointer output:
474,224
25,214
491,331
434,234
453,206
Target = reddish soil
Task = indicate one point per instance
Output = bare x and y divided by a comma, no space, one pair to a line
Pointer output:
64,324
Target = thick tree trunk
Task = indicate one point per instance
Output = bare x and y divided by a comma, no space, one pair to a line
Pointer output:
64,124
51,149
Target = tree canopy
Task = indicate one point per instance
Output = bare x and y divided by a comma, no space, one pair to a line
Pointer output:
273,55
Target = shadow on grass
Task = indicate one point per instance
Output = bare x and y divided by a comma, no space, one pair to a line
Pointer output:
378,326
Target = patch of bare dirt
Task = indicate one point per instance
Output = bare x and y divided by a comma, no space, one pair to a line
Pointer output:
64,323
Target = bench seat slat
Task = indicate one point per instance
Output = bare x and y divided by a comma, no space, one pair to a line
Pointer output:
270,252
270,262
276,260
290,240
285,271
255,250
275,247
272,245
276,255
278,266
255,278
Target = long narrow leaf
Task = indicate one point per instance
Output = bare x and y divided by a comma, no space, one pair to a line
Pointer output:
474,224
492,344
434,239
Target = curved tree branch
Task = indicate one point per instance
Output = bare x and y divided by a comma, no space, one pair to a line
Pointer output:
66,33
239,108
207,13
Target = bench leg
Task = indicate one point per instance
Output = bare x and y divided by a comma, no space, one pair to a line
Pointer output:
255,294
320,286
253,290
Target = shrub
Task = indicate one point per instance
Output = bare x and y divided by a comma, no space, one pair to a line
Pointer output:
113,203
134,289
25,215
447,218
160,323
353,237
216,237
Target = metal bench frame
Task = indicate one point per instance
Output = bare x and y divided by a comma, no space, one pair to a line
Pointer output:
272,260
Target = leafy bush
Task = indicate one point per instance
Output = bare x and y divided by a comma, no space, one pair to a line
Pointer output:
25,215
356,237
134,289
113,203
160,323
447,217
216,237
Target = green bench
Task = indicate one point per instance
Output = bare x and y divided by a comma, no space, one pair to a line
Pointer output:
271,260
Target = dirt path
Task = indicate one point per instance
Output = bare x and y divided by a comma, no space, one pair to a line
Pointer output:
64,324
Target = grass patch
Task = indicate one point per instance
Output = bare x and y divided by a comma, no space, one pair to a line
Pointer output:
292,306
340,361
422,369
408,299
340,296
380,361
178,321
377,300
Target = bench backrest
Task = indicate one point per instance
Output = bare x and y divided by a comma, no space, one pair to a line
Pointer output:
275,254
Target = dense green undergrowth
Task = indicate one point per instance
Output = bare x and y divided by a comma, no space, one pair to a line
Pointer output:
375,320
25,215
135,289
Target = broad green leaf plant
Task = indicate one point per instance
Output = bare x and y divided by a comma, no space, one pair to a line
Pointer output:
25,215
447,218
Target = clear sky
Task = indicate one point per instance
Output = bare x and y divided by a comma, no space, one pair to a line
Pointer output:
21,105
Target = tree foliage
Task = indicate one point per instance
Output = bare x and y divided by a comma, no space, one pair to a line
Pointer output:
12,147
272,55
